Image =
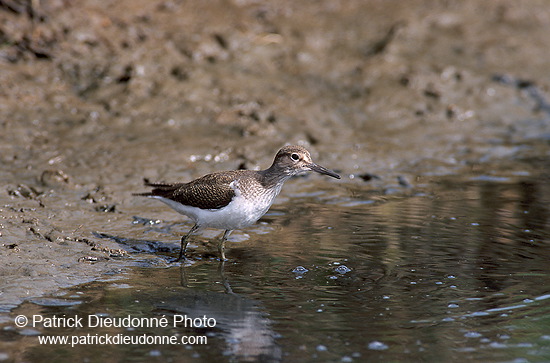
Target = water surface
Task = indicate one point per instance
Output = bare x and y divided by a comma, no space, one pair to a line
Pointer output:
457,273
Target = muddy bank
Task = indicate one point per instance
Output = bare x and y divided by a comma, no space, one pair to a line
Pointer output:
95,96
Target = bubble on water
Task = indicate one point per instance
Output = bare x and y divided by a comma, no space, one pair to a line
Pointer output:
376,345
342,269
479,313
300,270
453,306
472,334
321,348
466,349
29,332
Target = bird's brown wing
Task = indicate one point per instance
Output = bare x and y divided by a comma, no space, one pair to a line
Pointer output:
212,191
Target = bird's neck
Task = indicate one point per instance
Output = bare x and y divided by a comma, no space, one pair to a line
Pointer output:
274,177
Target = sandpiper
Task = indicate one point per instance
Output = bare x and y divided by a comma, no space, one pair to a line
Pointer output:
234,199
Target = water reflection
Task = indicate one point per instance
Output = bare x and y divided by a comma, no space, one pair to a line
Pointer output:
246,330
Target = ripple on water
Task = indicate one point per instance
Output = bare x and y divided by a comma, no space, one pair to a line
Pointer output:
55,302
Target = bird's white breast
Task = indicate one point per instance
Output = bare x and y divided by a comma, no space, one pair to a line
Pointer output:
243,210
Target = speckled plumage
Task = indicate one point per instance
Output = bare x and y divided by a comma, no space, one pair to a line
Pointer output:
233,199
211,191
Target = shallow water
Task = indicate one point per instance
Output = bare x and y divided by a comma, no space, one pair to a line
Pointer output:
457,273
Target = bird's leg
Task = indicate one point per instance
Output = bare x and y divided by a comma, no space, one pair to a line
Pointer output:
226,285
221,244
184,241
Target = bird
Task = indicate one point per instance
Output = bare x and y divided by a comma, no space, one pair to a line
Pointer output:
235,199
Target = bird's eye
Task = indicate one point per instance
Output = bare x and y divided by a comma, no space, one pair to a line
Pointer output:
295,156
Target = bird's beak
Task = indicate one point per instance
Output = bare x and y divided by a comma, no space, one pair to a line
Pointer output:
322,170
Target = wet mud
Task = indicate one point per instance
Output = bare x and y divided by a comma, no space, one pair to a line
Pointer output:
96,95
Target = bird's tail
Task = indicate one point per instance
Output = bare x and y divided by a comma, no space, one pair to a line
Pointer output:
159,189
